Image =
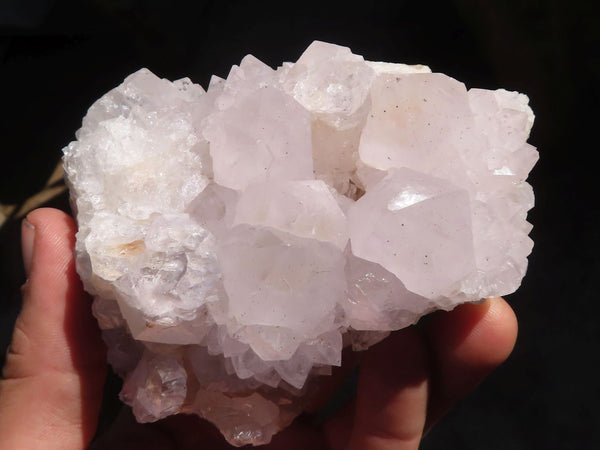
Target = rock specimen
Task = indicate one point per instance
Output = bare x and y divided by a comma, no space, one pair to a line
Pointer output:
235,240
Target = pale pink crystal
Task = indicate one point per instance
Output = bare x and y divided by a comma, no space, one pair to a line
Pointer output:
236,239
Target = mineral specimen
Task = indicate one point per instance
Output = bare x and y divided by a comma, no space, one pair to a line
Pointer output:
235,240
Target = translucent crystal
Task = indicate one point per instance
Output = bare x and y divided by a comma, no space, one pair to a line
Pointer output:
236,240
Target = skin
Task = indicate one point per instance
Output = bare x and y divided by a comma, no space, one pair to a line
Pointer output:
52,384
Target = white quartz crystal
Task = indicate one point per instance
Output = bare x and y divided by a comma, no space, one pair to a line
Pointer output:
236,239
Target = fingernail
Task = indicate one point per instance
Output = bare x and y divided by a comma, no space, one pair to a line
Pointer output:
27,238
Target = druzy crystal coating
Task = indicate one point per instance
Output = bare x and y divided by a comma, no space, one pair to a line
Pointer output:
237,239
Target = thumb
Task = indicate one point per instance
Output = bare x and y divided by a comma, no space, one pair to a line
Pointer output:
51,389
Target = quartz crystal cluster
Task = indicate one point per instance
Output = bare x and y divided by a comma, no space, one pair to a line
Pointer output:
237,239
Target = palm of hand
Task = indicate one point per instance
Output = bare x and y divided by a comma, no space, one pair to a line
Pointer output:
55,370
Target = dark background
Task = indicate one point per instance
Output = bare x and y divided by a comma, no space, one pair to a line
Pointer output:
58,56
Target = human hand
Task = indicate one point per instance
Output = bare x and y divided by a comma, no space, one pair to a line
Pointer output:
52,384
